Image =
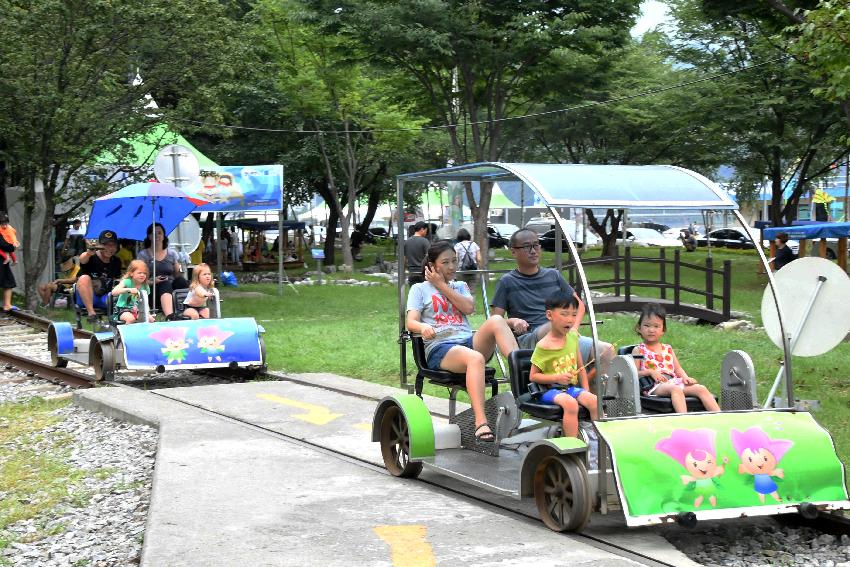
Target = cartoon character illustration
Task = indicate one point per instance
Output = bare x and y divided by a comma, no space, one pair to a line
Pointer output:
209,186
759,456
695,450
229,189
211,341
174,341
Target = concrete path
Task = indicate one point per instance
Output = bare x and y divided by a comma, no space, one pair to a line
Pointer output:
226,493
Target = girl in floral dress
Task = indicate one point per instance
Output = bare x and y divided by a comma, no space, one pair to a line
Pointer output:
659,370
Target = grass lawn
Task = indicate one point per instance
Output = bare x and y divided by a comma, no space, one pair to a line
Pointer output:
353,331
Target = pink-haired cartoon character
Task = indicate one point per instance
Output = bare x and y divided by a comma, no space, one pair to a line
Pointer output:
759,456
211,341
695,450
174,343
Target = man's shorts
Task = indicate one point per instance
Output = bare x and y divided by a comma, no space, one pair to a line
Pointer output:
435,358
585,344
98,301
548,397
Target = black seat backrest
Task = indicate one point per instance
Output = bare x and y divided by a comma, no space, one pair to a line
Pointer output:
627,350
179,296
419,352
519,365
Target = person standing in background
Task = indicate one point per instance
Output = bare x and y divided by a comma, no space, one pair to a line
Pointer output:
415,249
7,278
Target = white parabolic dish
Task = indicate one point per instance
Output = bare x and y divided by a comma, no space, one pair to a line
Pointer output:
829,320
177,165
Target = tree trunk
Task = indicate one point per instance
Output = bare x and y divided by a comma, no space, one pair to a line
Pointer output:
609,238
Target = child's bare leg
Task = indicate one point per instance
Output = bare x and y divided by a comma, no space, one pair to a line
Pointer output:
570,419
494,332
127,317
589,401
190,312
704,396
204,313
676,395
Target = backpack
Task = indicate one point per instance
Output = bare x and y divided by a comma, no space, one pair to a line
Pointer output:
469,262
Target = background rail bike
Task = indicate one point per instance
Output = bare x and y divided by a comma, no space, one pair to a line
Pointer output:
231,343
25,346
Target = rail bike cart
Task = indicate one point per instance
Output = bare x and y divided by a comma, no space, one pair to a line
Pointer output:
172,345
744,461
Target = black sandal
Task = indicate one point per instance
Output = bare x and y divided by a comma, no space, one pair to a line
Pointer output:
485,436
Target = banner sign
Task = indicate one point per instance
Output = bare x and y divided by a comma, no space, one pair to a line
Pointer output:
202,343
231,188
722,465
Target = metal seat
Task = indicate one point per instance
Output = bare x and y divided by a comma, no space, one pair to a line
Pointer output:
455,382
527,393
179,296
80,310
659,404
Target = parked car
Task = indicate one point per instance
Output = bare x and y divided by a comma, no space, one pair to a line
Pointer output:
731,237
506,230
548,240
653,225
540,225
645,237
675,231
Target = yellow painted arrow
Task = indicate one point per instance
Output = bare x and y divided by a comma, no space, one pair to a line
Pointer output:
317,415
408,545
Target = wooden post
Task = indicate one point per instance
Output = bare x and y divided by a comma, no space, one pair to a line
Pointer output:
803,246
772,255
842,253
617,273
628,274
663,272
822,248
727,288
677,272
709,283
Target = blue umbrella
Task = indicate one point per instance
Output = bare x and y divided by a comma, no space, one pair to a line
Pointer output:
131,210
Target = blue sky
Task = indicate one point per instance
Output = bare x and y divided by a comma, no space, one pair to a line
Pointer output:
653,13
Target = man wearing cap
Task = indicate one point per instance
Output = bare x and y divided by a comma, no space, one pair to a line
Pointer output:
96,267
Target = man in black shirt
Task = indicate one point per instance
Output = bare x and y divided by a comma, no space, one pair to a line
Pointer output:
98,267
784,255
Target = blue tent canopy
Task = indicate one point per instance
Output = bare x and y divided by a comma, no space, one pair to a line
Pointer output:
596,186
811,231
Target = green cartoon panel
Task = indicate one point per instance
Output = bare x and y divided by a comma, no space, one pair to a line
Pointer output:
713,462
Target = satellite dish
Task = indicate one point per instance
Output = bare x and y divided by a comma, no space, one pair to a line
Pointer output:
817,329
186,236
177,165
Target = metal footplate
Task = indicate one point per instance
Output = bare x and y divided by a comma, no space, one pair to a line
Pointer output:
501,414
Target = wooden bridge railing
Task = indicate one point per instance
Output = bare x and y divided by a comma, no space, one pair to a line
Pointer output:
623,286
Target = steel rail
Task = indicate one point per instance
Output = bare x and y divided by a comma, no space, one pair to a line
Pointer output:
48,372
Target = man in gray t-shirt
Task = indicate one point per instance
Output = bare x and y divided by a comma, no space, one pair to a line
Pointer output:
415,249
522,295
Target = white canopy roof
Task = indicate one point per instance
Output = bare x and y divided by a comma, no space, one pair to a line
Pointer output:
596,186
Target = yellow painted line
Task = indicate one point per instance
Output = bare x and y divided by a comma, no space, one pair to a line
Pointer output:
317,415
408,544
365,426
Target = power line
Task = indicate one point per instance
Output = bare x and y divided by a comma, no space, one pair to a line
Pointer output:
521,117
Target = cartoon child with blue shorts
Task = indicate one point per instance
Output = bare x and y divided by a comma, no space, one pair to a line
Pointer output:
557,364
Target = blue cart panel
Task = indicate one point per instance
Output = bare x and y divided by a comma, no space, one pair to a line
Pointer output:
203,343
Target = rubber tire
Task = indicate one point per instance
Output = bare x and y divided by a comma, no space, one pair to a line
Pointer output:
53,347
562,493
395,444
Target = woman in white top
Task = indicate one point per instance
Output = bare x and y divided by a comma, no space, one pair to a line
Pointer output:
468,256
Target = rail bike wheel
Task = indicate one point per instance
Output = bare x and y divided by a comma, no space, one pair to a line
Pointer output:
53,347
562,492
395,444
102,358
